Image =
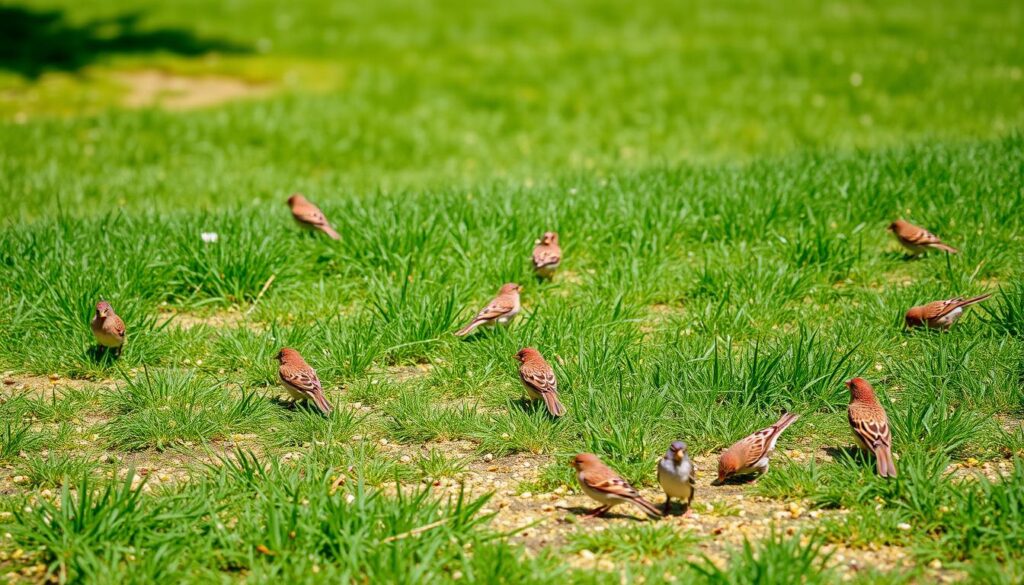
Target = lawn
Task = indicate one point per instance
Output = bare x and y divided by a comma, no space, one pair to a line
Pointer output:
721,178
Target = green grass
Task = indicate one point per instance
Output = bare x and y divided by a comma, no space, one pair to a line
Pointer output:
720,176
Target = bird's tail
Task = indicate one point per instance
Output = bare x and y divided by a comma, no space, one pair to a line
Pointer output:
321,402
885,465
647,507
784,422
554,406
468,328
971,301
330,231
945,248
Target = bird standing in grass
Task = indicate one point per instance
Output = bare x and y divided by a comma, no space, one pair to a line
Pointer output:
917,239
108,328
300,380
870,425
500,310
309,216
940,314
606,487
539,379
547,255
750,455
677,476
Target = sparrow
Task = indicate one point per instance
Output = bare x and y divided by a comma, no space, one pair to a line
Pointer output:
501,310
750,454
916,239
309,216
300,380
539,379
107,327
870,425
940,314
677,475
604,485
547,255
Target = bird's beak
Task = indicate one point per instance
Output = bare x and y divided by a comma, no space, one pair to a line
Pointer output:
718,481
103,314
678,455
849,383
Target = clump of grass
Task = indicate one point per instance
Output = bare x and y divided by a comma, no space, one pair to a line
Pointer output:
163,408
17,438
796,560
644,542
56,469
307,425
436,465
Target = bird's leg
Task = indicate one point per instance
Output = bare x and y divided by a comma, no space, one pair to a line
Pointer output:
667,507
598,511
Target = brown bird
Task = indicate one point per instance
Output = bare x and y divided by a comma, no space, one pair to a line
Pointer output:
309,216
940,314
300,380
917,239
539,379
547,255
107,327
870,425
501,310
604,485
750,454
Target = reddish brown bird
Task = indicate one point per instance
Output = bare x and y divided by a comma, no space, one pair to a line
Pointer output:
547,255
917,239
606,487
300,380
499,311
107,327
539,379
940,314
750,455
871,425
309,216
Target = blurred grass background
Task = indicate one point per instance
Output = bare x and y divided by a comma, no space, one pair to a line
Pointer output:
397,96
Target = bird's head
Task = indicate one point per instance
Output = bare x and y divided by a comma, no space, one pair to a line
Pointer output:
549,238
678,450
728,464
103,309
526,353
510,287
285,354
895,225
860,389
914,317
583,461
296,198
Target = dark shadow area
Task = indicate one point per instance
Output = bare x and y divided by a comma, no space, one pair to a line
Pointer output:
98,354
33,42
582,513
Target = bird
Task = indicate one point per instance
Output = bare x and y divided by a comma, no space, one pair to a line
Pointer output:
870,425
750,454
309,216
547,255
917,239
300,380
940,314
539,379
500,310
108,328
606,487
677,475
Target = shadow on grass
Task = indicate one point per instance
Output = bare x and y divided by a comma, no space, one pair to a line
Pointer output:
37,41
582,514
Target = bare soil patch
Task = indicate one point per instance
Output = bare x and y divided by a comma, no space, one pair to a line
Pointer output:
170,91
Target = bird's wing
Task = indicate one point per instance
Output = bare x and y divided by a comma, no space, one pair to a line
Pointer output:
541,380
612,484
302,379
546,256
873,430
118,326
495,309
920,236
311,215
